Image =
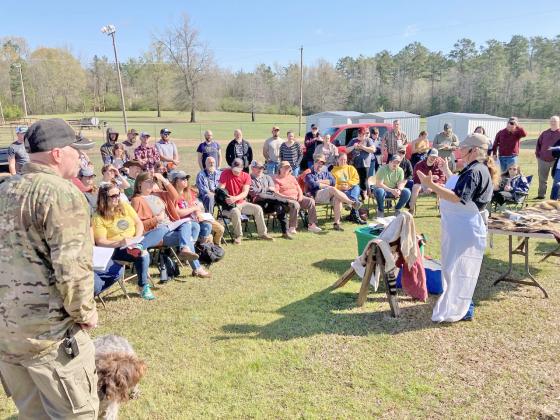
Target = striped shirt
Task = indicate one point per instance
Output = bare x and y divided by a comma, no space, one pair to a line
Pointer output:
291,154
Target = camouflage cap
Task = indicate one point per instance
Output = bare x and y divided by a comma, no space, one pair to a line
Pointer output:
45,135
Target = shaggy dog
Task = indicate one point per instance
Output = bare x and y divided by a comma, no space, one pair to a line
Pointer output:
119,370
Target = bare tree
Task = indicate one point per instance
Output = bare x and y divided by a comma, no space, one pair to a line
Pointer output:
191,58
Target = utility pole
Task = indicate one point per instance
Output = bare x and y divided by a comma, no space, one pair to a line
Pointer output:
300,88
2,113
110,30
18,66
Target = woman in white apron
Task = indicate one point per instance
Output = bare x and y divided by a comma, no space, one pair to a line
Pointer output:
463,228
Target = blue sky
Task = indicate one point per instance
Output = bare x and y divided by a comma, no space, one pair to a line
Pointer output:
245,33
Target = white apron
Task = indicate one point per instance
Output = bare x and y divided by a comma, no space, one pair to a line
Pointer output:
463,240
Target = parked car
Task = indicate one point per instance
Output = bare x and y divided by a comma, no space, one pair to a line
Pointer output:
342,134
4,168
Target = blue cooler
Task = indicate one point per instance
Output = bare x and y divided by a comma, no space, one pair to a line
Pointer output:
432,269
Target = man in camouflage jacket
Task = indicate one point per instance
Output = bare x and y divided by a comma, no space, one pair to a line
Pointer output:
47,360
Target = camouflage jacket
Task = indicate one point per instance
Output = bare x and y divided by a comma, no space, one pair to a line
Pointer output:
46,277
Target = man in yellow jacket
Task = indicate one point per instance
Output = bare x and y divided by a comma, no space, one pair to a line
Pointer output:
348,181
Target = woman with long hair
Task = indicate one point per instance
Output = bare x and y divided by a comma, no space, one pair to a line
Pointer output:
153,210
463,202
513,186
188,205
115,225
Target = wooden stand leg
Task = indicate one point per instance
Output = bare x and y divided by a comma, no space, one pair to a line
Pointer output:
370,266
348,274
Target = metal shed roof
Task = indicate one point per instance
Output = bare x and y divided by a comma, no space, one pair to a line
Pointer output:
471,116
393,114
341,113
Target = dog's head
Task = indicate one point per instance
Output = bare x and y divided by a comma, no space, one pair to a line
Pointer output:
118,374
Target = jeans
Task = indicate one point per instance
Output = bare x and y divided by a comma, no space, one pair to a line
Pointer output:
205,229
380,195
555,185
295,171
506,161
353,193
184,237
208,201
141,264
271,168
104,279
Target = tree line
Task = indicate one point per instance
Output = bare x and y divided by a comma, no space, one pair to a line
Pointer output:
178,71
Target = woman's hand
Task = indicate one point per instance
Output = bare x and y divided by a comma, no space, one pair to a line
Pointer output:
160,217
426,180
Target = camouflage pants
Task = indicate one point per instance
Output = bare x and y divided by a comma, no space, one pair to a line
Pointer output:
55,385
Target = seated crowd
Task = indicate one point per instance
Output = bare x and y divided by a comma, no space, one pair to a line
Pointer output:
142,192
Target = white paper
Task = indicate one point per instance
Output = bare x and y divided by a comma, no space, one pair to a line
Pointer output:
133,241
174,225
554,148
207,217
102,257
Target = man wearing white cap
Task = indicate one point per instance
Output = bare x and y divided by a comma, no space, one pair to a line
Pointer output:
463,202
17,155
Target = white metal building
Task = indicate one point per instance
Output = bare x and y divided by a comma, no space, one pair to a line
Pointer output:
327,119
410,123
465,124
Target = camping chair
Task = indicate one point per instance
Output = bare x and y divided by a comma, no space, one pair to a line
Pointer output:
121,280
513,204
227,222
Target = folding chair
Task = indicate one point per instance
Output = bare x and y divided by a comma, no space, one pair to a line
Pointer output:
226,221
121,280
514,204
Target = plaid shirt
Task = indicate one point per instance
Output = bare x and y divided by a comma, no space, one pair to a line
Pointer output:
147,152
392,141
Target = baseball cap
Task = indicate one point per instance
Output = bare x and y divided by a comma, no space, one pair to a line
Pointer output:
237,163
256,164
433,152
112,131
320,158
144,134
513,120
313,126
396,157
362,130
130,163
165,131
174,175
85,172
285,163
133,131
447,126
21,129
275,128
475,140
45,135
401,148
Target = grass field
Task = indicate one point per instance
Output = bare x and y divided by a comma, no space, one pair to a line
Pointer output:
267,338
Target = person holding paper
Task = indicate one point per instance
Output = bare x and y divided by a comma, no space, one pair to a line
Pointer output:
116,225
188,205
152,206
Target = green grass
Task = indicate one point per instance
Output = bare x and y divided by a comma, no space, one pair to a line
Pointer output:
267,338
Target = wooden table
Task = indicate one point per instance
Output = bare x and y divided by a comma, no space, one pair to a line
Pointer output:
523,250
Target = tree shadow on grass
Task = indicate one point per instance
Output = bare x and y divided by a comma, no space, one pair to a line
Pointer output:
330,311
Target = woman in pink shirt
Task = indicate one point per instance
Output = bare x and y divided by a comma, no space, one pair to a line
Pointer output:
287,187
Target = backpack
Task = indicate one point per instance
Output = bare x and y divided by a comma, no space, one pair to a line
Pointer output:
220,196
209,253
167,266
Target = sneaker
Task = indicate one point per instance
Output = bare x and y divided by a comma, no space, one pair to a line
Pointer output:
287,236
201,273
336,226
358,220
187,255
146,293
314,229
538,197
356,205
380,213
237,240
470,313
266,237
292,231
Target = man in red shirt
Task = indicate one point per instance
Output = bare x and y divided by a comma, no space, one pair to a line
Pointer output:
433,163
545,160
237,183
507,142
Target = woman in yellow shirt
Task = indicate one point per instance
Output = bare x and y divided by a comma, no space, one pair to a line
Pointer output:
115,224
420,148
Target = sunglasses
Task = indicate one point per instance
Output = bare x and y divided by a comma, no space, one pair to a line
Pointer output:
511,123
114,196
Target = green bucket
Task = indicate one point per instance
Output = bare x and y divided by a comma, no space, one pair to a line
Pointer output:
363,236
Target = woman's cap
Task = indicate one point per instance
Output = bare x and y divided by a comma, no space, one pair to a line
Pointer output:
475,140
